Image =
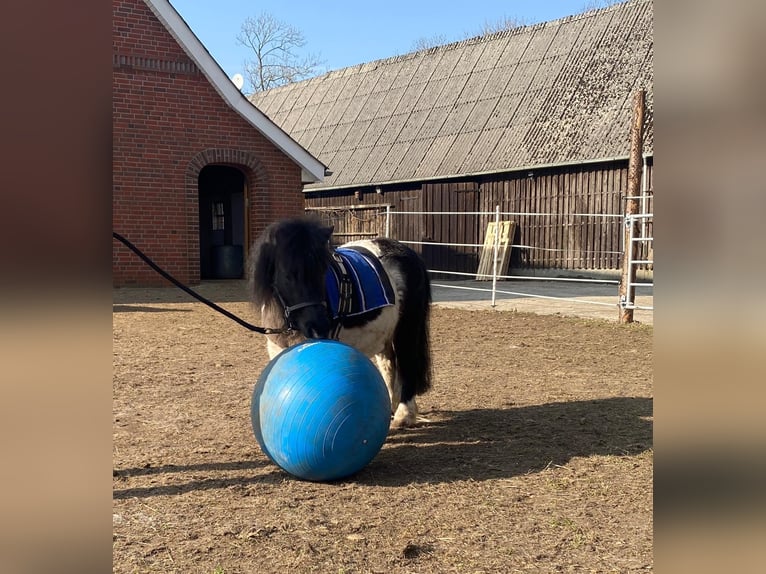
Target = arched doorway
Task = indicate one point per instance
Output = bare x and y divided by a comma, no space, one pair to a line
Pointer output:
221,222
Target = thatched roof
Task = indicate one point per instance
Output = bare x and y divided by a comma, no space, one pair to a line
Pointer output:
556,92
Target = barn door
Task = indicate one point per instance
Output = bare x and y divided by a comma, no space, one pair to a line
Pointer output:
459,225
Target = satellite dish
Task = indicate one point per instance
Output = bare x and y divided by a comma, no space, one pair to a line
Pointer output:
238,80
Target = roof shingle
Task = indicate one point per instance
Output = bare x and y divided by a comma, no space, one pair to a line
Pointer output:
555,92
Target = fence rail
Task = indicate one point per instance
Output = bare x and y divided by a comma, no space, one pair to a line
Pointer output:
377,221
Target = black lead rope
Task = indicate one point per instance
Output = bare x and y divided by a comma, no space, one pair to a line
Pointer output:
177,283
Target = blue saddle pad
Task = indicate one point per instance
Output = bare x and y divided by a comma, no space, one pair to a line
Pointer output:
371,287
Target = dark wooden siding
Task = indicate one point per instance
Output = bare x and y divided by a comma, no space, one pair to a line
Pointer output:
361,213
551,209
461,197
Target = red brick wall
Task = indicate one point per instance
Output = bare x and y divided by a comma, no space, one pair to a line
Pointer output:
168,123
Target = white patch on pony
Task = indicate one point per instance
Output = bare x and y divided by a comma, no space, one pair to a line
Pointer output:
393,384
272,317
273,349
406,414
374,338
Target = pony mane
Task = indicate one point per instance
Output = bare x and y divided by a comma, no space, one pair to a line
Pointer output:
305,241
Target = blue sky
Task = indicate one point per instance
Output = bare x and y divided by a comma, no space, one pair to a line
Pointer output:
344,33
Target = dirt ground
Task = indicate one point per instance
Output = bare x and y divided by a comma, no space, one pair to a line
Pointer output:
537,456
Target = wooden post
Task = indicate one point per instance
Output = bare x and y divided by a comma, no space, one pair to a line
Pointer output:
495,254
630,249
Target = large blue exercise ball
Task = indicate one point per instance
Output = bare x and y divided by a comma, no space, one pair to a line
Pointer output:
320,410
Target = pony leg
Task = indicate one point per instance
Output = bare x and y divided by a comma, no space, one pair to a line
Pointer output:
386,363
404,408
406,414
413,358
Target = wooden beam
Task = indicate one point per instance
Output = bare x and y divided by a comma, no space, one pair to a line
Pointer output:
352,207
630,250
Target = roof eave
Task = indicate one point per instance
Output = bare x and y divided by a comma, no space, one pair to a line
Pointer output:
468,175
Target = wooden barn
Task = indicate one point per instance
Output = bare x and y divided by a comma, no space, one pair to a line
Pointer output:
535,120
198,171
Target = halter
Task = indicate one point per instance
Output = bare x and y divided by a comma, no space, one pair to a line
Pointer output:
290,308
346,294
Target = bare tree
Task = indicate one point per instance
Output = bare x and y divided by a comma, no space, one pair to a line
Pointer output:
430,42
596,4
276,53
506,23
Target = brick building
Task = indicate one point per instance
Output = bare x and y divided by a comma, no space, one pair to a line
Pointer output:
198,171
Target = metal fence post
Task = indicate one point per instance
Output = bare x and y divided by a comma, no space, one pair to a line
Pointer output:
495,253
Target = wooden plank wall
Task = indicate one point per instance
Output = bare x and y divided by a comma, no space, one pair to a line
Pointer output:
360,214
557,239
354,216
462,228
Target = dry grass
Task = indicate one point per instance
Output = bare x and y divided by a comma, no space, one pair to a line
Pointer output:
537,456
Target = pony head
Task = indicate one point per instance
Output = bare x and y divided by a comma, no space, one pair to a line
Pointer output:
289,264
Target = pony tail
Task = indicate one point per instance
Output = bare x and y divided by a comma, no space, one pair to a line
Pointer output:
412,335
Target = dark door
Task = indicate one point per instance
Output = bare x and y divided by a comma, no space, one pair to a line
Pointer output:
221,222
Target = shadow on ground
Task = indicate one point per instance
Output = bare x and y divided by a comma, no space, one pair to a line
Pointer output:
145,309
478,444
220,291
486,444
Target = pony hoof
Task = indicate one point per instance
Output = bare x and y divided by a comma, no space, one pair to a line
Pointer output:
404,416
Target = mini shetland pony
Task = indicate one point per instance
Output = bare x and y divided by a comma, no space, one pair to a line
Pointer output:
299,282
